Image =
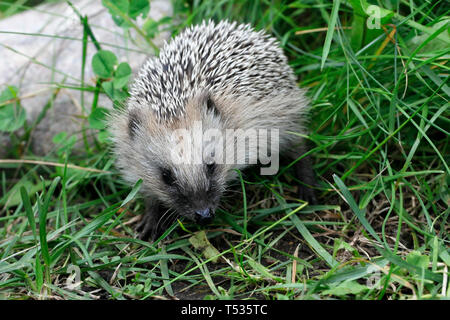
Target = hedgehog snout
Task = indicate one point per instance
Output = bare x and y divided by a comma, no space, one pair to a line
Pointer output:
198,206
204,216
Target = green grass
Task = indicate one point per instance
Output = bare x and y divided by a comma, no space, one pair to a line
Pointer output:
379,139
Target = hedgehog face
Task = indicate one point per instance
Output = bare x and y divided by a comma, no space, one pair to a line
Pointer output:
191,181
176,159
195,200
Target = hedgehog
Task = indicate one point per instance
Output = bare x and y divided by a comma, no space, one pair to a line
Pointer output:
225,81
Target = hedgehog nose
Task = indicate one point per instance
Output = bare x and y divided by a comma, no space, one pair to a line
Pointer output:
205,213
204,216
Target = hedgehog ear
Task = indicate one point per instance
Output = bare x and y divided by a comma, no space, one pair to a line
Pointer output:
134,123
211,105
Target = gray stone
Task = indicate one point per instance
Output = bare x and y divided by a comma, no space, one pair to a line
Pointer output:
41,48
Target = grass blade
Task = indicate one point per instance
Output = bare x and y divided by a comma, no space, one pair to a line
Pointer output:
330,32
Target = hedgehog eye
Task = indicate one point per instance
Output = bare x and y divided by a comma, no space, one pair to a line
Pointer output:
167,176
211,106
211,167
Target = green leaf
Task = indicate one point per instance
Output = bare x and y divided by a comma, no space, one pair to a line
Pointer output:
39,272
12,115
108,86
9,93
150,27
426,43
138,7
43,211
116,8
28,211
345,288
103,63
103,136
97,118
329,36
132,193
313,242
120,96
385,252
165,273
357,32
158,257
87,229
200,242
120,9
444,255
65,143
59,138
8,267
355,208
105,285
116,95
13,197
263,271
418,260
365,9
122,75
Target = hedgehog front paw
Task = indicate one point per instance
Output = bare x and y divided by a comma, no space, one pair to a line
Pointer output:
305,174
147,228
307,194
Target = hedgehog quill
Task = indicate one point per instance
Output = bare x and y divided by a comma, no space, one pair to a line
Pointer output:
210,79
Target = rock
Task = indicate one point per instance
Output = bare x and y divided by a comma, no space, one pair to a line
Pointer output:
46,51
